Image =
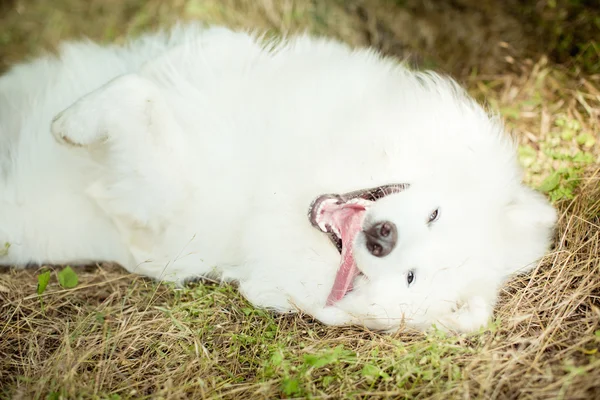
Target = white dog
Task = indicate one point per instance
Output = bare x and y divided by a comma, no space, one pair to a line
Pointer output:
206,152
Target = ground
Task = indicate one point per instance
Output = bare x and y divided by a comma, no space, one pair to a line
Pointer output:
114,335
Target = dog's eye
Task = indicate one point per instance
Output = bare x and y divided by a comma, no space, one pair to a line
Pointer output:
434,216
410,277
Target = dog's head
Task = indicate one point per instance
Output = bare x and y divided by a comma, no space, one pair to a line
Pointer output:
419,254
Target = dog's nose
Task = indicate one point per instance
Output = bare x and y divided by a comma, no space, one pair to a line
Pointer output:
381,238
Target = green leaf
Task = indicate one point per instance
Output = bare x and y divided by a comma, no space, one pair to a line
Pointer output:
290,386
586,140
43,280
277,359
247,311
328,380
510,112
100,317
527,155
574,124
567,134
328,357
551,182
427,375
370,371
456,373
53,396
584,157
319,361
4,251
561,193
67,278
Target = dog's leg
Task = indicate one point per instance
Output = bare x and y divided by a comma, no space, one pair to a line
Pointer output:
123,110
128,128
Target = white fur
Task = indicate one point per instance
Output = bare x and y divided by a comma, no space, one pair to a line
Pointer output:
197,152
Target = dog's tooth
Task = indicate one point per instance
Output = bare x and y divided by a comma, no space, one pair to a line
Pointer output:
322,226
319,209
360,201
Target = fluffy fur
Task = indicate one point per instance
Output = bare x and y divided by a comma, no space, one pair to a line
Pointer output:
197,152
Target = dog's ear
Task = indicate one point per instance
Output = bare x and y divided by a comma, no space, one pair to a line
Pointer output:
529,226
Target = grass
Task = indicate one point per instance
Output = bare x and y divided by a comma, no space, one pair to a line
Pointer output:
117,336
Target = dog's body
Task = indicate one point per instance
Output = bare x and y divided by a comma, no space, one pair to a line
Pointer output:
199,152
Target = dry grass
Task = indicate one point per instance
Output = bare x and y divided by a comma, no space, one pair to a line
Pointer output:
120,336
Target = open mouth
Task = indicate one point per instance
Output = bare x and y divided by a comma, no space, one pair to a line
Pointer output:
341,217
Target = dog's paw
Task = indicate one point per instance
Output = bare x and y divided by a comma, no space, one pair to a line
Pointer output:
78,126
124,107
467,316
334,316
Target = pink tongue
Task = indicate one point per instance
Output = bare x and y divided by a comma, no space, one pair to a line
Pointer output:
349,220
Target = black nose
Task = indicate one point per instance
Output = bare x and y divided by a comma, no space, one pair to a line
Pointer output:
381,238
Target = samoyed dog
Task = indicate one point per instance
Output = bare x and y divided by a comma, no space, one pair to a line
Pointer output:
318,177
